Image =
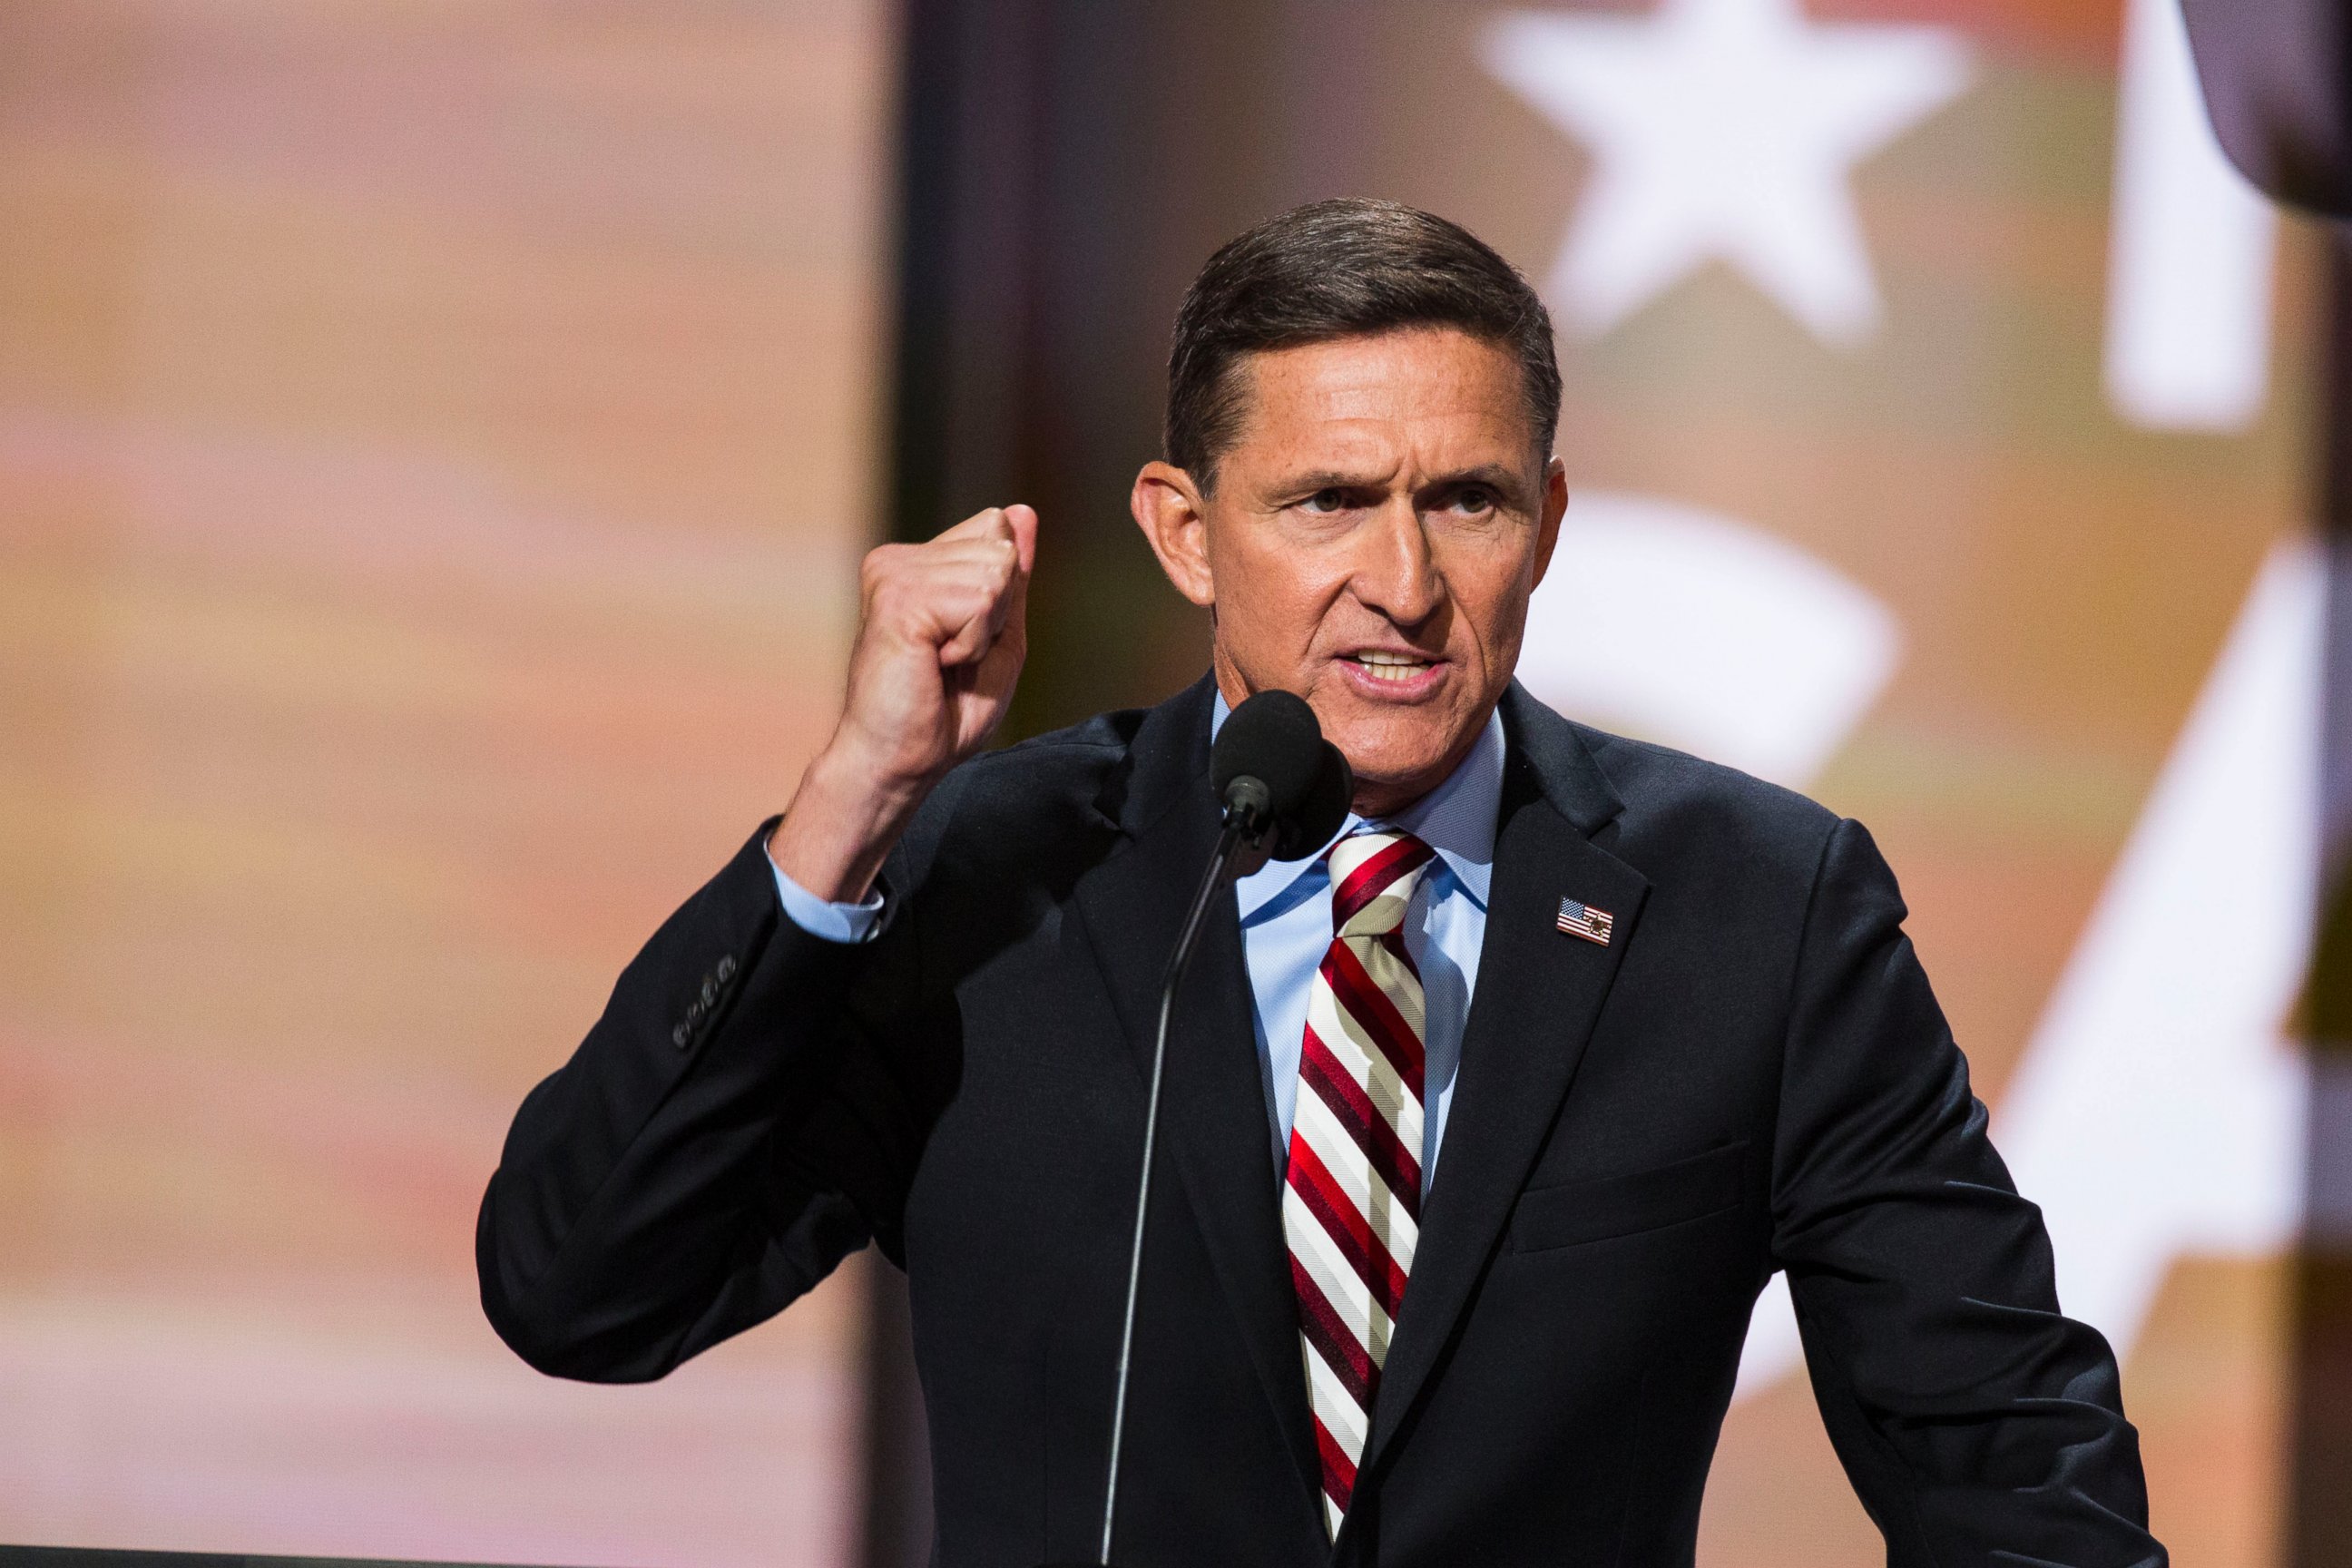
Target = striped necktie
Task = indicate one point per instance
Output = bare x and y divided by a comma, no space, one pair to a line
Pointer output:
1351,1199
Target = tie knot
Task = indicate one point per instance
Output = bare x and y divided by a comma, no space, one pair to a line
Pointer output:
1372,877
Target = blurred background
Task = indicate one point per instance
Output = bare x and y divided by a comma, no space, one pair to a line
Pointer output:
435,446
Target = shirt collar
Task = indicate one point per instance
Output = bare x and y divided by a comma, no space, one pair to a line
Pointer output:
1456,819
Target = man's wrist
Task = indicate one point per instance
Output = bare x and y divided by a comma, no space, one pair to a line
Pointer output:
842,825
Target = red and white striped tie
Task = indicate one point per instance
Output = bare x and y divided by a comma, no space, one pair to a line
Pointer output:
1351,1202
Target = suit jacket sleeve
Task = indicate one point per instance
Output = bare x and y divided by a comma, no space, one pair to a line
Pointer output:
693,1169
1978,1423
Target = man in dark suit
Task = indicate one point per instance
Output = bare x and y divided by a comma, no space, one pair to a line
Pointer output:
1485,1125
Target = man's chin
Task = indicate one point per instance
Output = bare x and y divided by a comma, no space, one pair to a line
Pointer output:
1399,750
1390,776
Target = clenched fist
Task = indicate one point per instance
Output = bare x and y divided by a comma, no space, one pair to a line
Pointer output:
940,638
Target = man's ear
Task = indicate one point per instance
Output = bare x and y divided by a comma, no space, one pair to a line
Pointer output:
1174,518
1555,507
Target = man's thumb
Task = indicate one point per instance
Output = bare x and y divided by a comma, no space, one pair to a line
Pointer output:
1024,521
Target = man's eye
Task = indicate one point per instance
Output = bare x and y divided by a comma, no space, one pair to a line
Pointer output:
1325,501
1474,500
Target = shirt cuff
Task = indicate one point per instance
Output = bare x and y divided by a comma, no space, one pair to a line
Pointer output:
828,922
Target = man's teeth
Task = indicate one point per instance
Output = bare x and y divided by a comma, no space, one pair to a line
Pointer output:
1391,666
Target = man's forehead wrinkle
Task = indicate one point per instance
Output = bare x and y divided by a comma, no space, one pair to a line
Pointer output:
1374,395
1381,366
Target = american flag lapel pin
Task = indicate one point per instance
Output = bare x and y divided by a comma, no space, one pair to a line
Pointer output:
1584,920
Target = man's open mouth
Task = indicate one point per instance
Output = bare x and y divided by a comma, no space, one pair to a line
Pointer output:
1390,666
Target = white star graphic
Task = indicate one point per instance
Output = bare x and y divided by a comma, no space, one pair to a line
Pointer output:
1723,129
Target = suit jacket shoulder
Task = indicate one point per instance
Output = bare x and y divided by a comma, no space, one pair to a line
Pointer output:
1658,808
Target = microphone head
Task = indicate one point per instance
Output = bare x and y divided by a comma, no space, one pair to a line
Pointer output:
1320,815
1272,738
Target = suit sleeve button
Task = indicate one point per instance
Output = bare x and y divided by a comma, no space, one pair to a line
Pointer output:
681,1037
726,969
710,992
693,1011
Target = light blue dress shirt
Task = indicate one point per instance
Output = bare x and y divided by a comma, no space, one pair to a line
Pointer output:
1285,915
833,922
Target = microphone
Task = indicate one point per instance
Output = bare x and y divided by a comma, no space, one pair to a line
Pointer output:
1271,767
1283,790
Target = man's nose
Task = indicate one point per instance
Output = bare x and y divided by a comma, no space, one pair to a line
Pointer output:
1396,573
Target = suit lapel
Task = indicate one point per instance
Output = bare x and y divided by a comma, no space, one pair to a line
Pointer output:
1214,1123
1539,992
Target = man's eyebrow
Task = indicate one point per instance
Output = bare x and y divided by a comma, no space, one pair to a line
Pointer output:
1316,480
1509,485
1495,476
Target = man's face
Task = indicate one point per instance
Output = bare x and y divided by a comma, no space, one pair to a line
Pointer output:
1372,544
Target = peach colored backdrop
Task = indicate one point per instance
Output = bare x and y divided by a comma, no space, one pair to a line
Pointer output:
435,440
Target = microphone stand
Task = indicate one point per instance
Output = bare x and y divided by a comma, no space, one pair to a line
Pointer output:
1245,823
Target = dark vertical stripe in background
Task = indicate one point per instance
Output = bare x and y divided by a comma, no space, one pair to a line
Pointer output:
1065,169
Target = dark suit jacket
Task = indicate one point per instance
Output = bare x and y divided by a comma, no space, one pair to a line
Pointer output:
1752,1075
